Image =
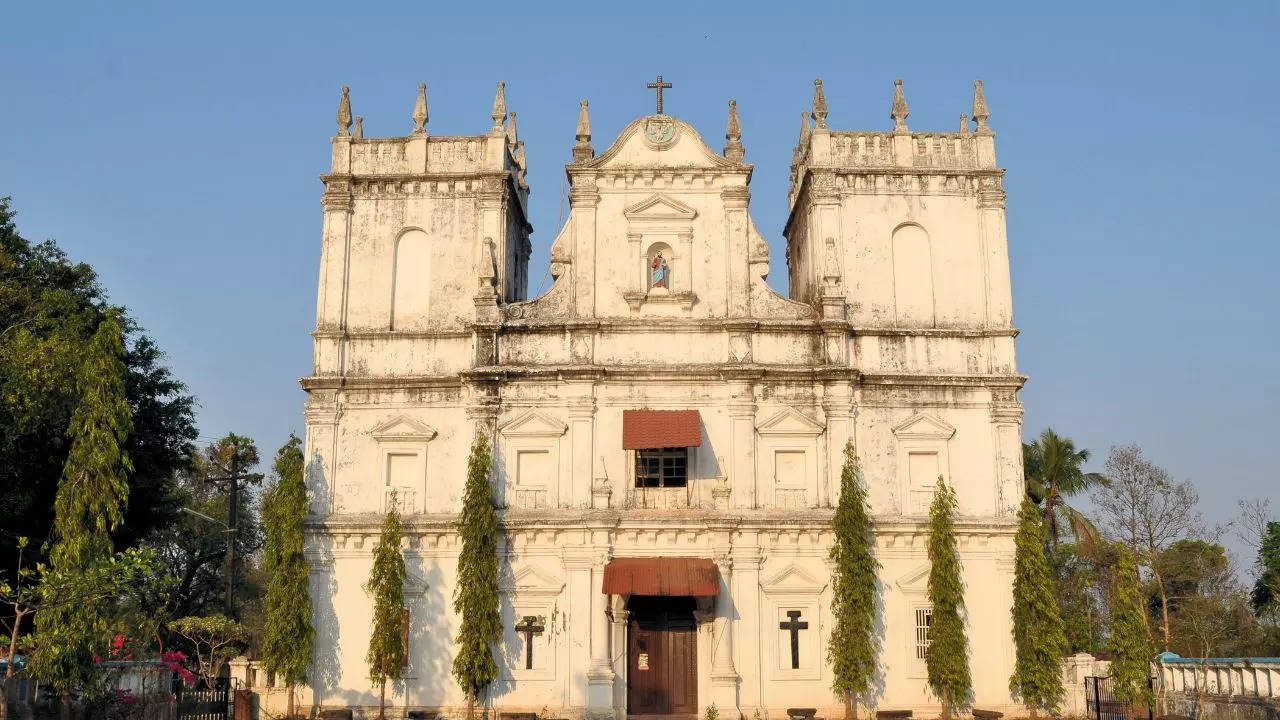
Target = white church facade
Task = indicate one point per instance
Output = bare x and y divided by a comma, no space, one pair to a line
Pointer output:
667,430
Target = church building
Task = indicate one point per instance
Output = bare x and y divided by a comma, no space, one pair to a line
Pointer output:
667,430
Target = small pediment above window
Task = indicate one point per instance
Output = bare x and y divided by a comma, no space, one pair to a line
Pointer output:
793,579
530,581
924,426
533,423
915,581
403,428
414,586
660,207
790,421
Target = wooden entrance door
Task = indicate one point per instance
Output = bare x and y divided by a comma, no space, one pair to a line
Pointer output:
662,660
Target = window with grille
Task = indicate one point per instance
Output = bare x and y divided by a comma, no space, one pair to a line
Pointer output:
924,618
666,467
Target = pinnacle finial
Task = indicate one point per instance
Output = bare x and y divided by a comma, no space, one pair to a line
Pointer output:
819,106
804,127
344,113
582,149
964,124
733,149
420,111
358,133
900,110
980,112
512,136
499,106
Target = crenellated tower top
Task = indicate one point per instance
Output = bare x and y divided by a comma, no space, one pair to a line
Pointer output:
898,150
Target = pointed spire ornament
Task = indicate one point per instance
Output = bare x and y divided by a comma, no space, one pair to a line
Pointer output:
420,111
804,128
513,138
344,112
582,149
964,124
358,133
819,106
980,112
499,112
900,111
733,149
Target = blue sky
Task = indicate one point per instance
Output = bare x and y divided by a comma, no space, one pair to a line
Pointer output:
179,154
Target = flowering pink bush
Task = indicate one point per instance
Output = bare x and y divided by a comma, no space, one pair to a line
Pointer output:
173,660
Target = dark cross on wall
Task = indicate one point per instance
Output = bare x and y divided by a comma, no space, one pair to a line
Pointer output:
795,626
659,85
530,628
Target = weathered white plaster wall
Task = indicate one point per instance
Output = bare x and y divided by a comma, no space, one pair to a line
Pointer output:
550,377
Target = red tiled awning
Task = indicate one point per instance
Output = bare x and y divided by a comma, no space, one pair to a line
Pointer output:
661,576
651,429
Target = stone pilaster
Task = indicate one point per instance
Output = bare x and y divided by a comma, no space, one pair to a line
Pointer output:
578,564
738,294
742,419
837,404
583,199
724,677
1006,426
994,244
582,414
600,674
747,558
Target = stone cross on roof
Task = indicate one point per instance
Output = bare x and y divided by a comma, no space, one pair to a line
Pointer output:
659,85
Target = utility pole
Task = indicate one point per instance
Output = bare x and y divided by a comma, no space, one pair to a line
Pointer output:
233,473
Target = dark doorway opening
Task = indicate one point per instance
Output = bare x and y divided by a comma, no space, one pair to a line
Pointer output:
662,656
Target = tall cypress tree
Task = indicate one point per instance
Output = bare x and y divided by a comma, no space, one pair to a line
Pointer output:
1038,635
1129,645
947,659
289,638
89,505
853,647
386,656
476,598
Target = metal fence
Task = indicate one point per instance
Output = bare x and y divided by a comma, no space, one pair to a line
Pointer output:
207,700
1099,695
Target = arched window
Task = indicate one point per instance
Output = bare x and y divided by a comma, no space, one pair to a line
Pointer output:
411,281
912,276
658,266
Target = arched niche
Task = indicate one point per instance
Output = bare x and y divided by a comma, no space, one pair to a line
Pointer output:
659,268
912,276
411,281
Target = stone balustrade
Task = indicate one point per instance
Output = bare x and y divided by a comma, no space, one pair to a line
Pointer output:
1247,677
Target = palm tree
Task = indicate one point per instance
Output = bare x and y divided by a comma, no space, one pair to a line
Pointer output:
1052,467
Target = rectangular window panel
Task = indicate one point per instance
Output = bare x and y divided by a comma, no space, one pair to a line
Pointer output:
667,467
924,618
533,467
924,469
789,467
404,478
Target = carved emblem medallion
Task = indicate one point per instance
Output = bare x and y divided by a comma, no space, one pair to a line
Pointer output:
660,130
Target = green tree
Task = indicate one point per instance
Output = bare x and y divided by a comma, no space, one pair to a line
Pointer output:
50,308
289,638
1076,583
386,656
89,505
1128,645
853,647
215,639
1266,590
195,548
947,658
1052,466
1038,637
41,588
476,598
